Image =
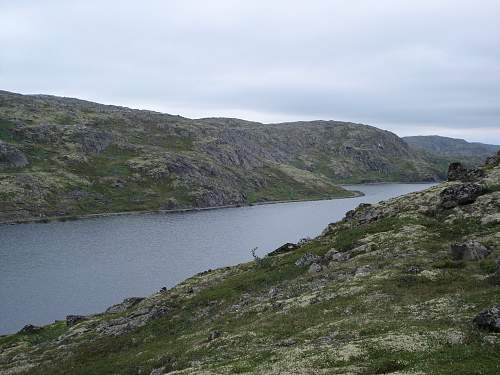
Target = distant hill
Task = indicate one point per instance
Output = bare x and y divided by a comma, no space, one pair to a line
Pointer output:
63,156
443,150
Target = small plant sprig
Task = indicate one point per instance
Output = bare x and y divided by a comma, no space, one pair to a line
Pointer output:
261,262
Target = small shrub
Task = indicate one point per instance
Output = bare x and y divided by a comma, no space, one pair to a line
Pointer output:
450,264
488,266
261,262
407,281
492,188
495,279
388,366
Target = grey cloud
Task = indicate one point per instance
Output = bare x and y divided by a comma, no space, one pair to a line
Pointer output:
431,66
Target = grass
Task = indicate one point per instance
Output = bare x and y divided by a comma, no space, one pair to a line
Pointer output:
112,162
395,171
45,334
488,266
5,130
281,186
348,238
450,264
493,188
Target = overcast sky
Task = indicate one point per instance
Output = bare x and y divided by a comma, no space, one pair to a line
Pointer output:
409,66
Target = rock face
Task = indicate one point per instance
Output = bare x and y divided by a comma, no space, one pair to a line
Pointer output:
91,141
125,305
364,213
307,259
493,160
489,319
469,250
315,268
457,172
136,319
11,157
336,256
459,195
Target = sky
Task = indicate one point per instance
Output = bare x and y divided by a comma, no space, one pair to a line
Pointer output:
409,66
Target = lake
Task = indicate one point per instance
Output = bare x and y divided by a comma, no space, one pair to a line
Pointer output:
48,271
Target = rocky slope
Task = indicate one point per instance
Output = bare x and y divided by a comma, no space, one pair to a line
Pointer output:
443,150
63,157
407,286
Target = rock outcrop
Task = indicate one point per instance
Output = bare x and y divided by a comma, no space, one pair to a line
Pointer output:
489,319
469,250
364,213
135,319
458,195
493,160
11,157
307,260
127,304
457,172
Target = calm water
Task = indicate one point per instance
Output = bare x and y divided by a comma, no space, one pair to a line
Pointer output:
48,271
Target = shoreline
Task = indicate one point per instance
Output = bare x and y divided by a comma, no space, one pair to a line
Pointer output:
50,219
389,183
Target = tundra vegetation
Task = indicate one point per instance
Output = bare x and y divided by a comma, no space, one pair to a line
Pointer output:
406,286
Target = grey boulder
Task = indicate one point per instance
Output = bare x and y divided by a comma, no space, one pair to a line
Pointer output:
460,195
489,319
469,250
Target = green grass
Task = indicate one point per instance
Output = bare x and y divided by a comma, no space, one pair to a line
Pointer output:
112,162
280,186
450,264
46,333
488,266
493,188
398,171
348,238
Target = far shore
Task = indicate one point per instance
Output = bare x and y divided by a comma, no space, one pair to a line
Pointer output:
48,219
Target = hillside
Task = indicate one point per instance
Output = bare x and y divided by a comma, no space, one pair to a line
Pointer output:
443,150
407,286
63,157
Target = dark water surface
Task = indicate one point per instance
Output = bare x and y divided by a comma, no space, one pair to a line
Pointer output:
48,271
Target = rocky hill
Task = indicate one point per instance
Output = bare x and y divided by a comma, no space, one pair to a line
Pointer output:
61,157
443,150
407,286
